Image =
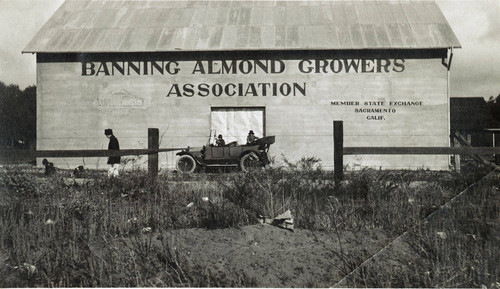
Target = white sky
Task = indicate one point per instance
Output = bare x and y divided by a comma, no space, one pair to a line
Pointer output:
475,68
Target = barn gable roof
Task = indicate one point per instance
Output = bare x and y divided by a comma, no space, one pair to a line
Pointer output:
159,26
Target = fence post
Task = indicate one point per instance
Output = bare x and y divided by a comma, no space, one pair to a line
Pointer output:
338,150
153,143
456,158
496,144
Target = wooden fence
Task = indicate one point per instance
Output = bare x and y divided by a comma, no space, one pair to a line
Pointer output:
152,152
339,151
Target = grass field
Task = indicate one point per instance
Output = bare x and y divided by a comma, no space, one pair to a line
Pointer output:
98,232
456,246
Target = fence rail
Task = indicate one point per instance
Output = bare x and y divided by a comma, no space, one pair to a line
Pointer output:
421,150
83,153
339,151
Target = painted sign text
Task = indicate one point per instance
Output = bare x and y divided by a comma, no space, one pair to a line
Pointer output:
243,67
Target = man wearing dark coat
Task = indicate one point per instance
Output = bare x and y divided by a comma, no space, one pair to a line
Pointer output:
251,138
220,142
114,162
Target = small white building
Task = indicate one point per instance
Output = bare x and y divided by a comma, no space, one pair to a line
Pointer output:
283,68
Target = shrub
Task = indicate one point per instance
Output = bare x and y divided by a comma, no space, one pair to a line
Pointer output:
18,185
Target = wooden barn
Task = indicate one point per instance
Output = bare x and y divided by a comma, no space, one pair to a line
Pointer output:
469,116
282,68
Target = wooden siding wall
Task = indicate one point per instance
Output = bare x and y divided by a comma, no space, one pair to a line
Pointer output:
74,110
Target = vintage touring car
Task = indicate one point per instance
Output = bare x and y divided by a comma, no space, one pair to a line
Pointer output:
244,157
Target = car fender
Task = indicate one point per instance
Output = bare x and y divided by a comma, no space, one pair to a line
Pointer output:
195,157
248,152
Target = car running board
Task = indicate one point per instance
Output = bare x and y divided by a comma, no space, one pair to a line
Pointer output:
221,165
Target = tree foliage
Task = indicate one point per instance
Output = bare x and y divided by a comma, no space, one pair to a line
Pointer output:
17,116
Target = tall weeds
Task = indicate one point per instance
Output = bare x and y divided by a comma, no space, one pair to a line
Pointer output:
58,234
458,247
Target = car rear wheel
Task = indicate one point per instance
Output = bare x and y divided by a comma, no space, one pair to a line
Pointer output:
186,164
249,162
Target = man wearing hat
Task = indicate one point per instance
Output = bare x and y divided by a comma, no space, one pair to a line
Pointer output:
220,142
114,162
251,138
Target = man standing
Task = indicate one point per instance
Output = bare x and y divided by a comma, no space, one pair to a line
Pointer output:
114,162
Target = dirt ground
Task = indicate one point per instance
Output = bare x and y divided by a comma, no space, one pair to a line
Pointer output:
275,257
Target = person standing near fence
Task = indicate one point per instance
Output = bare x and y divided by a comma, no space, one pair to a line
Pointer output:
114,162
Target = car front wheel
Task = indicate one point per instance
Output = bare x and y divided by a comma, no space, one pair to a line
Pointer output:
250,161
186,164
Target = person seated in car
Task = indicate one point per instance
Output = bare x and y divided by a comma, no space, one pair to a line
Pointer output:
220,142
251,138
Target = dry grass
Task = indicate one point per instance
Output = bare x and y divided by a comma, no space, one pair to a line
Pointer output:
96,234
458,246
